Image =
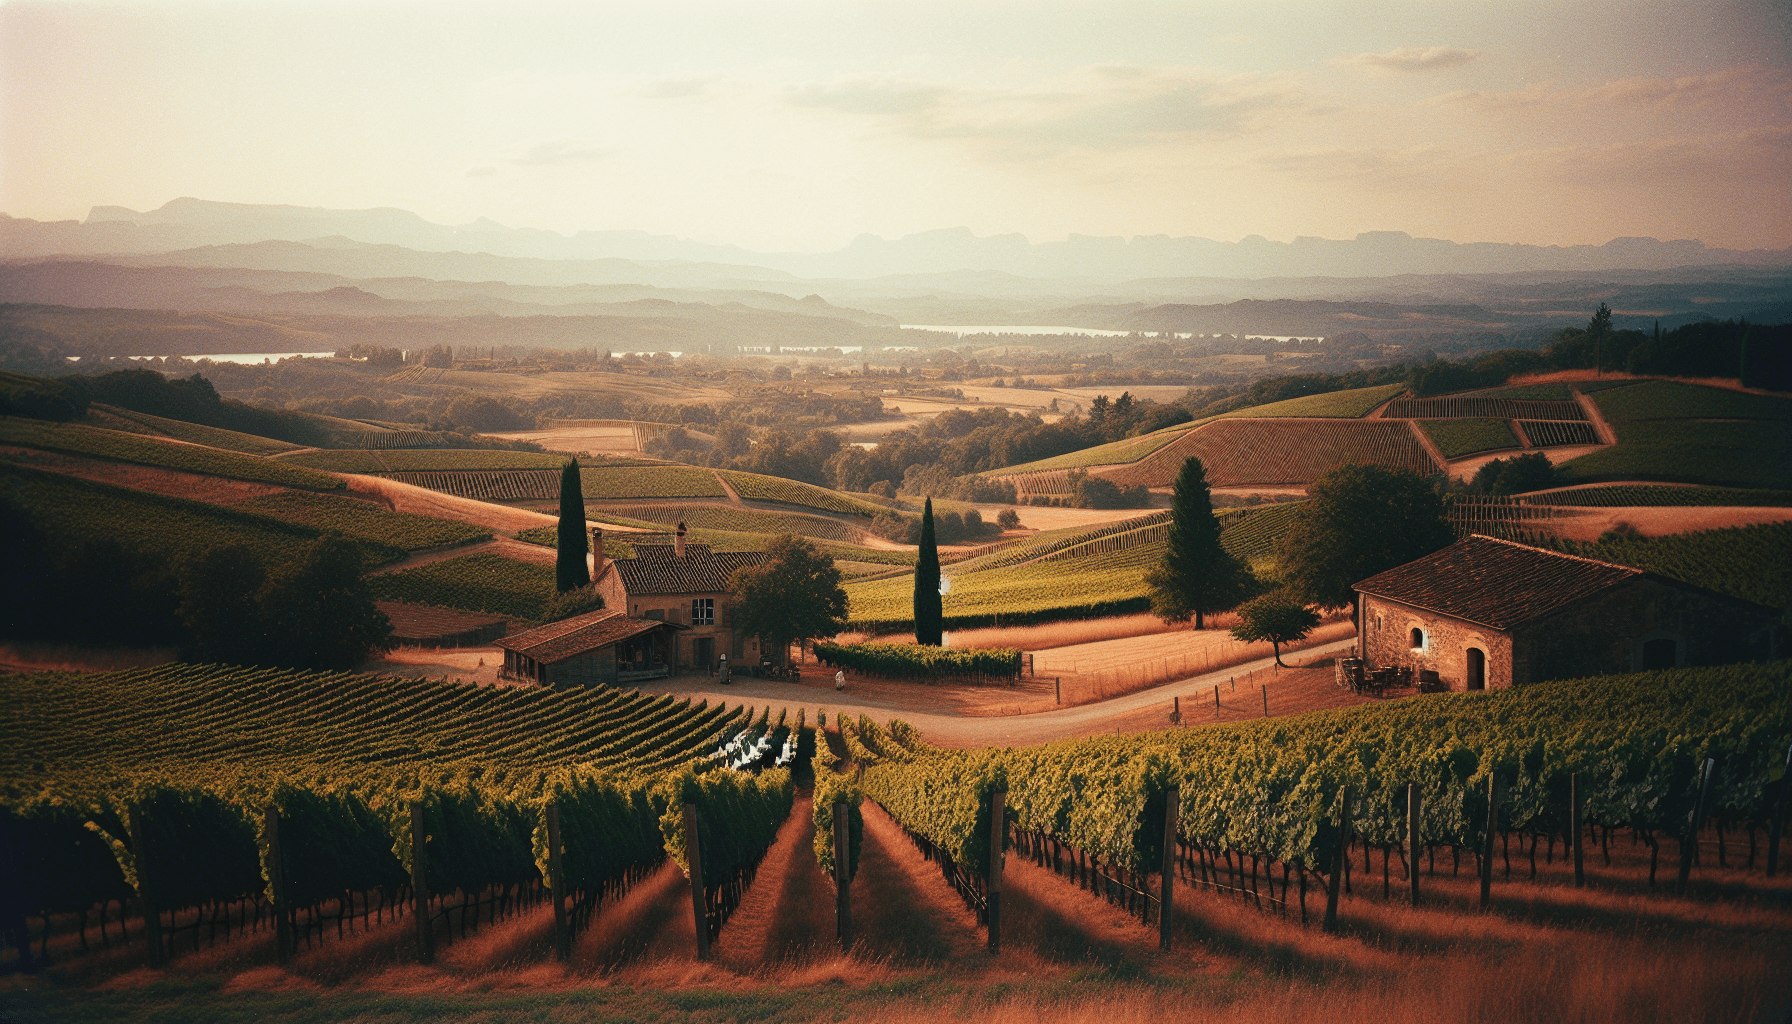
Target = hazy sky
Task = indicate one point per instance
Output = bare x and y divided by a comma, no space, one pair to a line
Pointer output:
795,125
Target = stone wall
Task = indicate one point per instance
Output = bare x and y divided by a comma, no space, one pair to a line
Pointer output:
1607,634
1387,641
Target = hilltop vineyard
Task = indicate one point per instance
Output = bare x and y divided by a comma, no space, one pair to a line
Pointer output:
1281,451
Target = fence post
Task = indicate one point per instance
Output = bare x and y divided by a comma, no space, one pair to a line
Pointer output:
152,911
1172,810
1216,697
557,881
283,944
1779,817
1414,806
1689,846
842,874
1337,865
426,951
1057,689
1265,700
693,856
998,833
1575,827
1493,827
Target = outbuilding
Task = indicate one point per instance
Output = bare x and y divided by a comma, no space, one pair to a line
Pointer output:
1486,613
604,647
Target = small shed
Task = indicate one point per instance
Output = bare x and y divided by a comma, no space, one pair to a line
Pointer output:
1486,613
603,647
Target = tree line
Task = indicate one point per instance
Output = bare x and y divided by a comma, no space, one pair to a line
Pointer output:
224,604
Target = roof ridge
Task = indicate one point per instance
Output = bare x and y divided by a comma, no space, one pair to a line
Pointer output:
1559,554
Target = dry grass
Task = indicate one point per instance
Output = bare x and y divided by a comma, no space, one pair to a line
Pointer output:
1615,951
1099,671
1064,634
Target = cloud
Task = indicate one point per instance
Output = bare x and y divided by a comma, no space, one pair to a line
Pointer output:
548,152
674,88
1409,59
1731,88
872,96
542,153
1109,106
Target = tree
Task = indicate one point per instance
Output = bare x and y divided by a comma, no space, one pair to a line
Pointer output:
795,594
1360,520
220,608
1531,471
1197,576
570,571
1276,618
1598,330
929,614
320,614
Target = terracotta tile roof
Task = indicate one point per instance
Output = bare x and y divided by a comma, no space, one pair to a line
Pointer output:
657,569
580,634
1497,583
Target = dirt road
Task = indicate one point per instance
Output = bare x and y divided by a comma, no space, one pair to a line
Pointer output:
951,729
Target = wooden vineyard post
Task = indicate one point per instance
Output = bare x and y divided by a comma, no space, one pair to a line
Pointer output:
283,941
1689,846
557,882
426,947
1216,698
1493,827
694,858
1779,818
152,911
1057,689
1172,810
1575,828
842,874
1414,805
1336,878
998,801
1265,700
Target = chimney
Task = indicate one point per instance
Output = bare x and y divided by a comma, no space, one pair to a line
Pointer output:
678,542
597,552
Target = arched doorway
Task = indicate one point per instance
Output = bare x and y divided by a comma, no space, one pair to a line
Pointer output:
1663,653
1476,675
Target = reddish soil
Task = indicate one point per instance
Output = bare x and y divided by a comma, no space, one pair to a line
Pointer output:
903,911
425,502
171,482
788,914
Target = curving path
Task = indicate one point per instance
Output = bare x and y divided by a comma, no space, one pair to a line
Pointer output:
956,730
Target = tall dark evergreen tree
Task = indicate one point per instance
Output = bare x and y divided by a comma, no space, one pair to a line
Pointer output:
570,570
1197,576
929,616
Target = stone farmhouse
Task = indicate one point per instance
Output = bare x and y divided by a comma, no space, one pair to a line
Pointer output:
1485,613
604,647
684,584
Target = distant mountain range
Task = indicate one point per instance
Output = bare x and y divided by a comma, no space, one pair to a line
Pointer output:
357,237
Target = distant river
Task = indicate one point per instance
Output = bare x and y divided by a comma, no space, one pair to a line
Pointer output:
246,357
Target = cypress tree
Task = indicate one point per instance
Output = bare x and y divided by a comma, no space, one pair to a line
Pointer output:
570,571
928,614
1197,575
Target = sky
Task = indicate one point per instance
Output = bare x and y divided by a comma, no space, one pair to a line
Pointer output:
790,125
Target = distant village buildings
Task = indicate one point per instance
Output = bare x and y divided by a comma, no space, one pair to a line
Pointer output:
1485,613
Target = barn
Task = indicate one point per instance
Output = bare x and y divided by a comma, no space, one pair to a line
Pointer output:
604,647
1486,613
